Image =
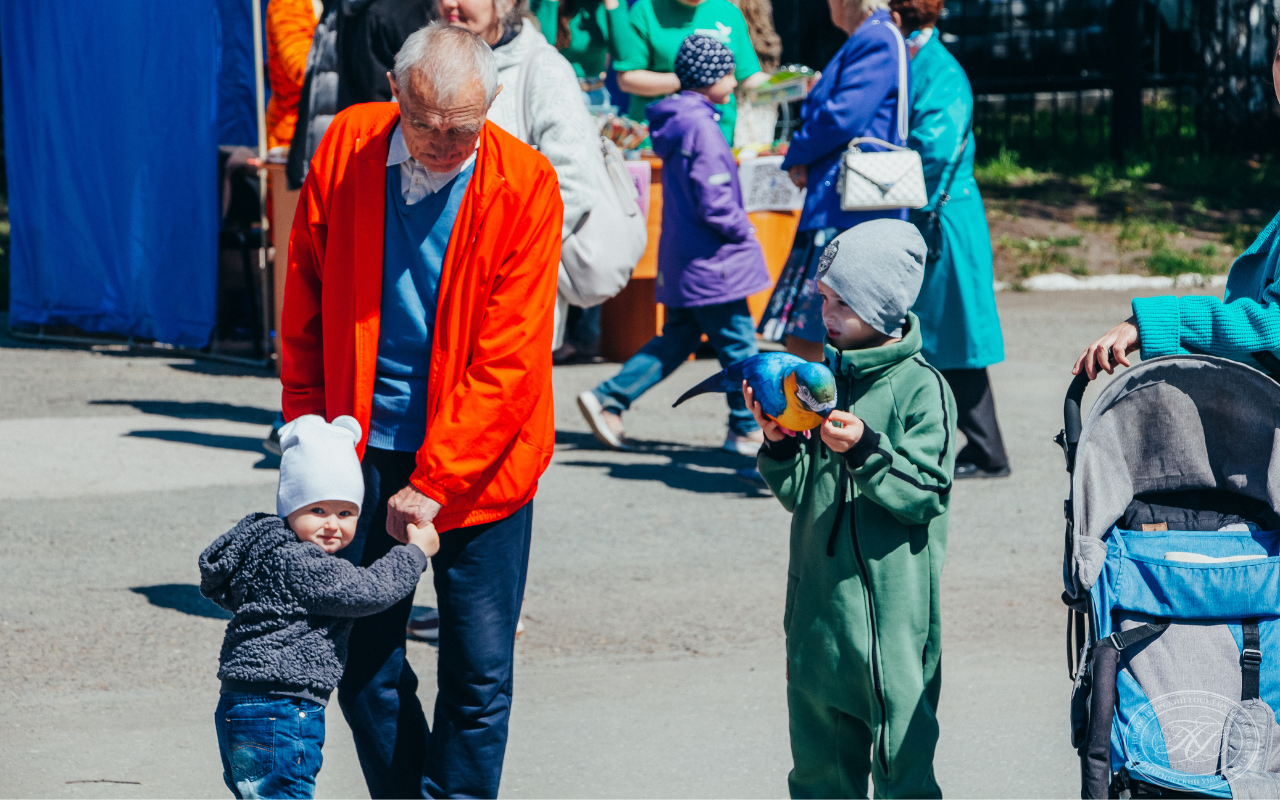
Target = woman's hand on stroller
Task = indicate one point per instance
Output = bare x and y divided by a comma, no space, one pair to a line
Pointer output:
842,430
1109,351
772,430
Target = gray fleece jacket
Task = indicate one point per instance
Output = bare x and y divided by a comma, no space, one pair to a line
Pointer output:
294,604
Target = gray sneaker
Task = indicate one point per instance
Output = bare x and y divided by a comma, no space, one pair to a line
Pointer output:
744,445
606,425
272,443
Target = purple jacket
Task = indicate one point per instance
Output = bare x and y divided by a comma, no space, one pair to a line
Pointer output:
709,252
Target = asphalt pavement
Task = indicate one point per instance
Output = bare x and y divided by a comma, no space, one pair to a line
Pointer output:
652,663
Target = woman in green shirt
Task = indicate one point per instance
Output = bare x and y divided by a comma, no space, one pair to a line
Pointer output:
646,60
586,32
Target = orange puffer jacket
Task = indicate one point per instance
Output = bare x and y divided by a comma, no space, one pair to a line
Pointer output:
490,422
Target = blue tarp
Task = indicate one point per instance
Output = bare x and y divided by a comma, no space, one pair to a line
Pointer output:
113,116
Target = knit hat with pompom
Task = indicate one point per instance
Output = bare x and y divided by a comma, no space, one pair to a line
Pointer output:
701,61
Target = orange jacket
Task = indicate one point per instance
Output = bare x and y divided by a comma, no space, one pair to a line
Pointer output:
290,25
490,422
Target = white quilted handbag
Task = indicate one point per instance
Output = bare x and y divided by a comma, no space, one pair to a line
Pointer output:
891,178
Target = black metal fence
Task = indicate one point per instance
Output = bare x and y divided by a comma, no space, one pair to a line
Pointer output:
1079,79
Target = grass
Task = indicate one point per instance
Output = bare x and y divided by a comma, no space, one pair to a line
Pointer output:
1160,206
1035,151
1004,170
1172,262
1044,255
1239,236
1141,233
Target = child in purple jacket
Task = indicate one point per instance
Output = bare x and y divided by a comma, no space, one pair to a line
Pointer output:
709,259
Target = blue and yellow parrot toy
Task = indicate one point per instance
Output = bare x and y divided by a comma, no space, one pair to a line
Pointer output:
798,394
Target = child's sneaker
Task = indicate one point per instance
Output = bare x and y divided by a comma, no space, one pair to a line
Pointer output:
606,425
744,444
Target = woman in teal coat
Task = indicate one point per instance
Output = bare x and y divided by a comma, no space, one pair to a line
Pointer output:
957,303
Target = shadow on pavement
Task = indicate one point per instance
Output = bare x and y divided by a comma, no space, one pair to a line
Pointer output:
180,409
693,469
676,476
221,369
184,597
221,441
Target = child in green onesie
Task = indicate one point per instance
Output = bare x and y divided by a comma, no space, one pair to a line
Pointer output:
869,500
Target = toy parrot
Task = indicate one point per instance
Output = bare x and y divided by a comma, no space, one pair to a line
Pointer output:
798,394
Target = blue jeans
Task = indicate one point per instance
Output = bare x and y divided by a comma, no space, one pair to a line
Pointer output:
728,327
479,578
270,744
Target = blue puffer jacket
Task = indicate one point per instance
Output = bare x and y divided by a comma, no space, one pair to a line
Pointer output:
294,604
708,252
857,95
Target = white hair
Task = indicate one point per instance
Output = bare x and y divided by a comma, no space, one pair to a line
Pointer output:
447,58
867,7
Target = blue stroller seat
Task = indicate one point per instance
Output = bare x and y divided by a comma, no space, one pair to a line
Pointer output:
1172,574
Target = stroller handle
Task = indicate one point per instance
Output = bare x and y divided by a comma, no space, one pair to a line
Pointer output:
1071,417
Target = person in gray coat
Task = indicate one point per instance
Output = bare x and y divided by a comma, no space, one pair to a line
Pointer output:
293,604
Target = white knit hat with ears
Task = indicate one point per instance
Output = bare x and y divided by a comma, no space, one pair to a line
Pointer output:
319,462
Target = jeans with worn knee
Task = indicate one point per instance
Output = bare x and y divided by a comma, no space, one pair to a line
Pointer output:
270,744
479,577
729,329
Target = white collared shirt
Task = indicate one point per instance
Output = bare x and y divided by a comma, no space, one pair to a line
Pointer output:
416,181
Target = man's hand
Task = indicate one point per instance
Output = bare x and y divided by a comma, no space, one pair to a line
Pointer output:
1116,343
409,507
799,175
772,430
840,439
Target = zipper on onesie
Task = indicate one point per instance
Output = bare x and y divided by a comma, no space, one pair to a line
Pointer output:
881,750
846,487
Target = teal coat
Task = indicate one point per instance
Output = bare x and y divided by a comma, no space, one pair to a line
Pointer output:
957,304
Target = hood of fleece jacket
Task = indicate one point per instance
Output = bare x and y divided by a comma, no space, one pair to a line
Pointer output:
513,53
238,552
672,117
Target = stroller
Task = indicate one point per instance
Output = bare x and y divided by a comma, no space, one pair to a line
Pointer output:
1172,574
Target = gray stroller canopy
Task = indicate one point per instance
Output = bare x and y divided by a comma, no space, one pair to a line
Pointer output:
1169,424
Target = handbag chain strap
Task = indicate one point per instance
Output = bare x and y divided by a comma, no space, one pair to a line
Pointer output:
946,193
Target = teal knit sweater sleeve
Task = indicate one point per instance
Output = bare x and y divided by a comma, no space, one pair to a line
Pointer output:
1246,322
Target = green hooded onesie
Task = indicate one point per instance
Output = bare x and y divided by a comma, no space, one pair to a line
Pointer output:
868,536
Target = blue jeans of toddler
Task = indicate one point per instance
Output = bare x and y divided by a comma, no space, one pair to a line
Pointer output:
729,329
270,744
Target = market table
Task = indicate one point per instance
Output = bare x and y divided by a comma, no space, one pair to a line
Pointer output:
631,319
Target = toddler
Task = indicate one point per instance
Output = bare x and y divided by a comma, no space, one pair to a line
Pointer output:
869,500
294,603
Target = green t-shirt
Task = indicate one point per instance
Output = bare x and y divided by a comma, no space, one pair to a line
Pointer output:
545,12
594,33
661,26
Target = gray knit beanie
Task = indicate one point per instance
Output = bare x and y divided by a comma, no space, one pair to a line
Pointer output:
876,268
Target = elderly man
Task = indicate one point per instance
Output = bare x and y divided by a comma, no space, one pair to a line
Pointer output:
422,279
